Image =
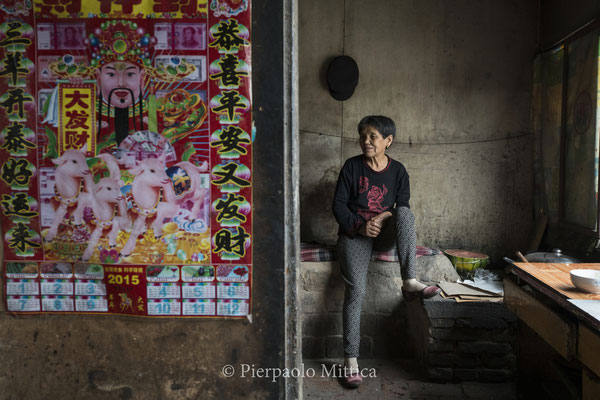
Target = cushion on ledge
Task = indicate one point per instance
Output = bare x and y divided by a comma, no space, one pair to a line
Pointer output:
311,252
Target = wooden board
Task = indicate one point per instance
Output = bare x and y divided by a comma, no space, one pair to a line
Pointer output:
557,277
588,348
557,331
540,228
590,386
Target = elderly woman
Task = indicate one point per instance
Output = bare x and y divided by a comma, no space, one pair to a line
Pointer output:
372,210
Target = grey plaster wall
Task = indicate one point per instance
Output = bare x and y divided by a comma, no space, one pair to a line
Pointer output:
456,76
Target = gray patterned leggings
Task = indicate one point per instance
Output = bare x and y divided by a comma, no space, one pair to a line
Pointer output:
354,255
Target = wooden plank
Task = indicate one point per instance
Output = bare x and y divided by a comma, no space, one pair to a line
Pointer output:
588,349
540,227
557,277
556,331
559,299
590,386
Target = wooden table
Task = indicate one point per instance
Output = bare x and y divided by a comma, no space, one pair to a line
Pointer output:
569,329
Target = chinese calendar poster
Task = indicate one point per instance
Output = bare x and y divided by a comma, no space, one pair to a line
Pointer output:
125,157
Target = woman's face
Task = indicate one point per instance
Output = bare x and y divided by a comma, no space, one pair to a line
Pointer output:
372,143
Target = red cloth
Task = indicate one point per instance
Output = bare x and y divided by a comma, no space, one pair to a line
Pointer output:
319,252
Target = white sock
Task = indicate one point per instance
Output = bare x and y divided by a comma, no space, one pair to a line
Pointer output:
351,364
412,285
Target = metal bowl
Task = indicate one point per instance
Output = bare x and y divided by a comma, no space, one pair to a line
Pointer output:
586,280
556,256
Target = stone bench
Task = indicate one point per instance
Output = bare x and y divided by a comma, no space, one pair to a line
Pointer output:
383,320
451,341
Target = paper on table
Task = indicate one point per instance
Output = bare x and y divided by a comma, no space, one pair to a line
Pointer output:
457,289
468,297
591,307
496,287
462,299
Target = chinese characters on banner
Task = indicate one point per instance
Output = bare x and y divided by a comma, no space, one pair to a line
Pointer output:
125,157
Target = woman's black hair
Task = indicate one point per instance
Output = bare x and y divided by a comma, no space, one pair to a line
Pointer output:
384,125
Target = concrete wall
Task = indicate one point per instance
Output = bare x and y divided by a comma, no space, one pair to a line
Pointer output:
49,357
456,76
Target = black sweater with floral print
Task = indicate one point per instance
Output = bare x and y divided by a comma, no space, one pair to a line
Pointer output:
362,193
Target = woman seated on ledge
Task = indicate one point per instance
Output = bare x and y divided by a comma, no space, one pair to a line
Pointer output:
372,210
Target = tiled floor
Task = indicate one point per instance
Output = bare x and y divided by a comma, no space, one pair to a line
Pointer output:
395,380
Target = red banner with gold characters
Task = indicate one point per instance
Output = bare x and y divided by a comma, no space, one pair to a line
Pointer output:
126,157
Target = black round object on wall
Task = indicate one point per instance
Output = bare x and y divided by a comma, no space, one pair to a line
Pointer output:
342,77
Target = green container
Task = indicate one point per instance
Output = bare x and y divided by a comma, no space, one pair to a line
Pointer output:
467,262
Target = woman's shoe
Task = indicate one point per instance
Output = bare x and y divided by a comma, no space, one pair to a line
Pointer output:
351,381
426,293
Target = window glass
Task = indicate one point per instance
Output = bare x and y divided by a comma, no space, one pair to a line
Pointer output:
581,135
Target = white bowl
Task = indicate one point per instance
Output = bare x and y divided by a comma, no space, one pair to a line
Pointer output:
586,280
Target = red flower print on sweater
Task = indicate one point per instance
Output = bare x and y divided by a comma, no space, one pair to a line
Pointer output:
375,197
363,184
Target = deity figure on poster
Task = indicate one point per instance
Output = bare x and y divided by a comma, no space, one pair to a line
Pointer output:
139,191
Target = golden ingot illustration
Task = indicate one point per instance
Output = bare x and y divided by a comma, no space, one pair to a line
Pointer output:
170,227
122,238
149,237
205,244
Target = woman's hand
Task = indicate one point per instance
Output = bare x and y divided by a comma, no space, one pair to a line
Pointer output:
371,228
